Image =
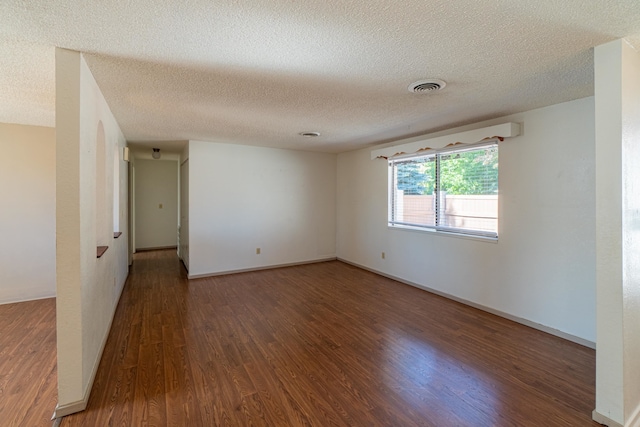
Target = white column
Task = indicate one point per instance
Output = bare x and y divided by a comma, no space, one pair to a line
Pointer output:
617,126
69,272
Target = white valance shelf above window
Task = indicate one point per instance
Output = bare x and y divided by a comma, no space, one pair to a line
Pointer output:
415,145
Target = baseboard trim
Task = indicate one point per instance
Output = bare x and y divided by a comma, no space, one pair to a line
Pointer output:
81,405
634,419
155,248
14,301
522,321
265,267
70,408
599,418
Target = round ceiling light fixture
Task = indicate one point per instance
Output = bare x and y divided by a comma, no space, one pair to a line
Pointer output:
424,86
309,134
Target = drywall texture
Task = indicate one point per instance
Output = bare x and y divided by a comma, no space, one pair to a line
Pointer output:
156,199
242,198
260,72
542,267
87,288
28,213
617,67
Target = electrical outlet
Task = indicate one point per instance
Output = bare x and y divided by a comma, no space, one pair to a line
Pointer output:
257,251
383,255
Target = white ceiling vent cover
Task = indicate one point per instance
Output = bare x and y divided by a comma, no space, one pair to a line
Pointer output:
431,85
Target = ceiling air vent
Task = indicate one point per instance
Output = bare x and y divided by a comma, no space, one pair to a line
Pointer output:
423,86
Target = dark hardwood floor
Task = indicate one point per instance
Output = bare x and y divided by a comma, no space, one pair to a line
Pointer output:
28,374
324,344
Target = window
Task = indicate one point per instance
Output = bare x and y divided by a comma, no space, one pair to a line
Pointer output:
451,190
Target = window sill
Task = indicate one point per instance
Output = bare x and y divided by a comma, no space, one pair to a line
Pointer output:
102,250
443,233
117,234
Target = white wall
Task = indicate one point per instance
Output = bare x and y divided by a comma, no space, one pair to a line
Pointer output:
183,235
617,89
242,198
542,268
28,212
156,183
630,90
87,288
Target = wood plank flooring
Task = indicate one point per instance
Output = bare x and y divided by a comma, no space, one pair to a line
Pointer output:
28,373
325,344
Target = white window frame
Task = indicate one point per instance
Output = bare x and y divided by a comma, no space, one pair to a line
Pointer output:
445,230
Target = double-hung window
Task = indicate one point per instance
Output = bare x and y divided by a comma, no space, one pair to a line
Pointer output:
453,190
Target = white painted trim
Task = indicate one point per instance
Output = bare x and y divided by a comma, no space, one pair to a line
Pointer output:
413,145
155,248
634,419
529,323
435,232
70,408
12,301
81,405
599,418
265,267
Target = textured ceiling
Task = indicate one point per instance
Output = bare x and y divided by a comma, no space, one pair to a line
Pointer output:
260,72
